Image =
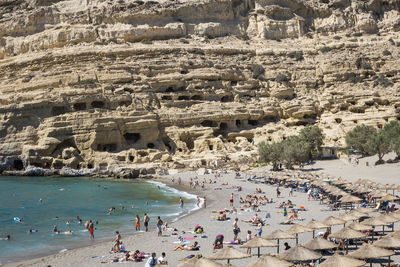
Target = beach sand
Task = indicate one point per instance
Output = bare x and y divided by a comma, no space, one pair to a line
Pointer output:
219,199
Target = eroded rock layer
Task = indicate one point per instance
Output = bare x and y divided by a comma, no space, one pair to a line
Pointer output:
116,85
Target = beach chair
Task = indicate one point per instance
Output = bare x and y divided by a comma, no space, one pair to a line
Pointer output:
392,208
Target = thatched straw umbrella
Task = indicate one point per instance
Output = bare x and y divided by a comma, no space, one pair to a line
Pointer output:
347,216
388,198
319,244
359,227
300,253
297,229
375,221
349,199
313,224
229,253
388,242
358,214
279,234
258,242
331,221
270,261
341,261
347,233
199,262
371,252
364,210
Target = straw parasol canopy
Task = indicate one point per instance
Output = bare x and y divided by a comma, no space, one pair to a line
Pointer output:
347,216
359,227
319,244
297,229
378,194
358,214
331,220
349,199
341,261
300,253
388,198
258,242
229,253
199,262
374,221
313,224
347,233
371,252
270,261
364,210
388,242
387,218
279,234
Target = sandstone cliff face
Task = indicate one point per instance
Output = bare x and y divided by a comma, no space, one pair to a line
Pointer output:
121,84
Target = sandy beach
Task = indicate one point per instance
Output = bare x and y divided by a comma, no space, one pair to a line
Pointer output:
218,198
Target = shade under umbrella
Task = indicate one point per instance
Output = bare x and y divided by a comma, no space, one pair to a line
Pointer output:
258,242
347,233
199,262
279,234
349,199
331,220
319,244
270,261
341,261
297,229
388,242
300,253
229,253
359,227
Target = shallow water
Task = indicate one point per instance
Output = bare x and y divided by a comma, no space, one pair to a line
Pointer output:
67,198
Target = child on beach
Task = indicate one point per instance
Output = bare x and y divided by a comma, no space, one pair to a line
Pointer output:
159,226
248,238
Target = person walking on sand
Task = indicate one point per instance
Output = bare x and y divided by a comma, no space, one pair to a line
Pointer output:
91,229
248,238
180,202
204,202
198,202
159,226
259,229
146,220
291,192
231,200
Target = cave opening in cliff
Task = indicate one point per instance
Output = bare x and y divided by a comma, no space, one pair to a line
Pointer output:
238,123
169,89
131,158
166,142
208,123
132,138
107,147
195,97
188,140
90,165
183,97
18,164
358,110
151,145
223,126
233,83
252,122
338,120
211,147
58,110
166,97
226,98
79,106
301,123
97,104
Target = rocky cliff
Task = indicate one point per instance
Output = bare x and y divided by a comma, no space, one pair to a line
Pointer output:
97,84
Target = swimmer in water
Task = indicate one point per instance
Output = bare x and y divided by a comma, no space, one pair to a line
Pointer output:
32,231
67,223
40,200
55,229
57,218
8,237
133,206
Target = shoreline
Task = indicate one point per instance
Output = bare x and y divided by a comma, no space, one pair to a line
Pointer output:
108,240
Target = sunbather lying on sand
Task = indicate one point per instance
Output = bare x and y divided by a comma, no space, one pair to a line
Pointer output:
195,246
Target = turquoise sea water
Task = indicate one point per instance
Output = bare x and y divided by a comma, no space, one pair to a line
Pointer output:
66,198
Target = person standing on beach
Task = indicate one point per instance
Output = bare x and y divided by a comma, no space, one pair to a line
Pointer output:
259,229
91,230
152,261
137,224
180,202
205,202
159,226
146,220
236,229
198,202
231,200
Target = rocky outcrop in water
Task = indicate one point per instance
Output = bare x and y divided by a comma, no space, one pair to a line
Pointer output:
133,85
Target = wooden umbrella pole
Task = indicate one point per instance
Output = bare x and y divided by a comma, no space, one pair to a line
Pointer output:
258,251
278,245
297,238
